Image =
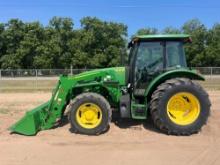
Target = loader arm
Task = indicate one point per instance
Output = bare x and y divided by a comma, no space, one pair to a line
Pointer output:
46,115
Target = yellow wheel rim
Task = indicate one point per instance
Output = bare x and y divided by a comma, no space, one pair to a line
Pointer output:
183,108
89,115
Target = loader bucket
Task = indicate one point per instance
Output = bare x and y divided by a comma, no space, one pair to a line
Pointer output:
32,122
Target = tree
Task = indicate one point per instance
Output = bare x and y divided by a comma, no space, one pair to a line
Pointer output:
12,37
145,31
2,46
212,57
96,44
171,30
54,52
197,49
32,39
101,43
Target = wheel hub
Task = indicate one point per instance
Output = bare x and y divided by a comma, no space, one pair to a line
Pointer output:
89,115
183,108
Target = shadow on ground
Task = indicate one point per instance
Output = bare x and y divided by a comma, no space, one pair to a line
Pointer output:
119,122
134,124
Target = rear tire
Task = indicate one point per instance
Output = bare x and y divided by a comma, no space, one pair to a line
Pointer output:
90,114
198,101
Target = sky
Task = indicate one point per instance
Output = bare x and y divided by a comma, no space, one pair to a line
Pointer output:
135,14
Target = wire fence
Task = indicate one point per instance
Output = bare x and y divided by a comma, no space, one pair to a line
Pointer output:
23,80
12,80
16,73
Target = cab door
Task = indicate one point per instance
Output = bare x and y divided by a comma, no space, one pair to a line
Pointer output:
148,62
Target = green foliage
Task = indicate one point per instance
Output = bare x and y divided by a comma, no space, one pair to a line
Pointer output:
196,51
146,31
212,57
171,30
30,45
11,38
96,44
104,42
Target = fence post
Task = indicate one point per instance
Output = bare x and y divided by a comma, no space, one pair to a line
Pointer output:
36,78
211,72
0,76
71,70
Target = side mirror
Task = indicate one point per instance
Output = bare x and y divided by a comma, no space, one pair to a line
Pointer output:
130,44
188,40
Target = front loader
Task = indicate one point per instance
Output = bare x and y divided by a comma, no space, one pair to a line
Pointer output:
156,83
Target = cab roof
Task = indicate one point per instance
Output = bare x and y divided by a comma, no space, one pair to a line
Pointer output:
183,37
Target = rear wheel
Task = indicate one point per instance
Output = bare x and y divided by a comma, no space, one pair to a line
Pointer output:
180,107
90,113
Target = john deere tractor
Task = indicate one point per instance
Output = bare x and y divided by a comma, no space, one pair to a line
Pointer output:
156,83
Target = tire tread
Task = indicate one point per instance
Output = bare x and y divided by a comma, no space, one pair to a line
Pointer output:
158,94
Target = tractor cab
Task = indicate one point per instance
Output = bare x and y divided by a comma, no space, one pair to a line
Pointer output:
150,55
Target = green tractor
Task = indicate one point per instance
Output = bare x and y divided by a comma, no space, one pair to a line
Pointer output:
156,83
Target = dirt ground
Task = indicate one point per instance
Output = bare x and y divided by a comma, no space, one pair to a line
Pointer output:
126,142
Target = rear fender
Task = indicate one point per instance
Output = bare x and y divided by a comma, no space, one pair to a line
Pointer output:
191,74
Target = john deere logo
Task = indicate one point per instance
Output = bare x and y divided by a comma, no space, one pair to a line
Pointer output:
120,69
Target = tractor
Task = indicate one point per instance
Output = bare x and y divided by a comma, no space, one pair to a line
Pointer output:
155,83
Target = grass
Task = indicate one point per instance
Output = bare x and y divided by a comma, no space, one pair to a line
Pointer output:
32,85
27,85
4,111
211,83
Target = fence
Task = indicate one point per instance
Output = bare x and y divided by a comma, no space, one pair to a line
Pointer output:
22,73
45,79
32,79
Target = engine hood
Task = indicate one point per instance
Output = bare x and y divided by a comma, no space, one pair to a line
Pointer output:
114,74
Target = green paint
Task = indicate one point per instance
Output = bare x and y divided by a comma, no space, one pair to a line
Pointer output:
138,107
172,74
162,36
31,123
46,115
111,79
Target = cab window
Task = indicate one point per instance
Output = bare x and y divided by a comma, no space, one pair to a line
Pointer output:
175,54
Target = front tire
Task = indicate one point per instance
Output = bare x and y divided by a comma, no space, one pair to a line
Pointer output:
179,107
90,114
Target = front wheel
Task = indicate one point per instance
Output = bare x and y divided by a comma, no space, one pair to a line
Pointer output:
90,114
179,107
